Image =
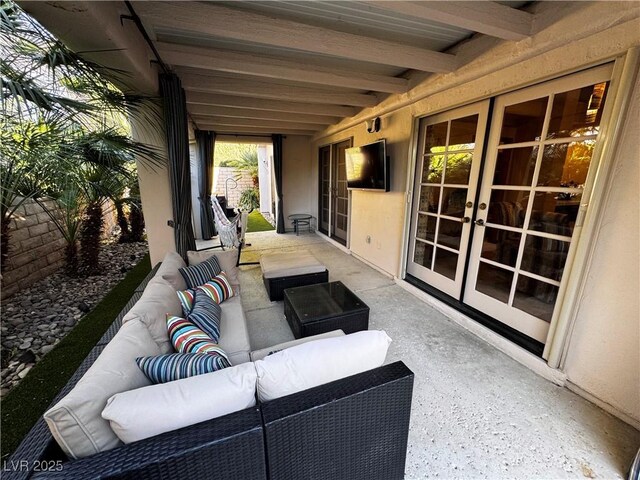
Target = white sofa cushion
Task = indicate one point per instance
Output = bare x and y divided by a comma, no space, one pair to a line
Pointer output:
168,270
277,265
322,361
158,299
226,258
234,336
149,411
260,354
75,421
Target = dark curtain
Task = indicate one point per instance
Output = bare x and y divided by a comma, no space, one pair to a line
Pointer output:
177,132
277,167
205,143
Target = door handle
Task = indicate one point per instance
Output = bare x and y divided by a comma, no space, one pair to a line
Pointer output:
465,220
480,222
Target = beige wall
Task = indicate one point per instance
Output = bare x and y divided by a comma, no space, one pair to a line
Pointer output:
604,351
379,215
603,358
155,192
297,190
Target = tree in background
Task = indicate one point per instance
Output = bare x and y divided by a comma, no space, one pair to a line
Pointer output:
62,121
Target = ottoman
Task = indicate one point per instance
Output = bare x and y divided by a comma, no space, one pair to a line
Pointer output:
287,270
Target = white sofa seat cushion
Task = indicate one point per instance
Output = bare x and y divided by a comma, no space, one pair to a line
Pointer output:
75,421
322,361
169,270
278,265
260,354
158,299
149,411
234,336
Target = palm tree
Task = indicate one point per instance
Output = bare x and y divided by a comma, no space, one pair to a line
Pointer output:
60,115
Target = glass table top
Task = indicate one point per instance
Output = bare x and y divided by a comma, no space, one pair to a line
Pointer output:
314,302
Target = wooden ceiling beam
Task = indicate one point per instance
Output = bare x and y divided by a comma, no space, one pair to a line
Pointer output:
211,110
254,122
203,98
250,88
231,130
271,67
486,17
236,24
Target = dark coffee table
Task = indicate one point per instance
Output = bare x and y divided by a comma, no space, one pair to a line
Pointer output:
324,307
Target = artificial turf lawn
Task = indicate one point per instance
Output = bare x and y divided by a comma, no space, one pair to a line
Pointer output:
257,223
22,407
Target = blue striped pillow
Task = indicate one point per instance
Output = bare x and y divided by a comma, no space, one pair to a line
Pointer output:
203,272
187,338
206,315
175,366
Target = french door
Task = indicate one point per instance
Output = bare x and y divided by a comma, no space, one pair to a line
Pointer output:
334,196
449,157
539,148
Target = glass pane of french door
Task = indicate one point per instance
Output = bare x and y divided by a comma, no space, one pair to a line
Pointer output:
325,188
538,159
340,206
447,167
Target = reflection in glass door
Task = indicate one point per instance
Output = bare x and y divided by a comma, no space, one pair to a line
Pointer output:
447,168
538,160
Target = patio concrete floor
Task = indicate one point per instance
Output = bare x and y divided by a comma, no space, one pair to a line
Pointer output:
477,413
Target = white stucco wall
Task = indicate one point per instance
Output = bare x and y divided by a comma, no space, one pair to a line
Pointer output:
604,350
155,192
297,173
265,155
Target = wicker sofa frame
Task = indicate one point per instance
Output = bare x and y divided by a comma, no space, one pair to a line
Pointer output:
353,428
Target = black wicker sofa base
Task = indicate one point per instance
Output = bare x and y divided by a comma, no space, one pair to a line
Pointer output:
277,285
353,428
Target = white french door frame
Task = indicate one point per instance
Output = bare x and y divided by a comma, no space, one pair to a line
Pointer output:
451,287
620,89
527,323
329,234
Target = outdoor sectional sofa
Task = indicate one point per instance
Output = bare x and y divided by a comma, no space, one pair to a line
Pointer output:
355,427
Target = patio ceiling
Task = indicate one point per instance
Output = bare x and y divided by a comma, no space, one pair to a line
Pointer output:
298,66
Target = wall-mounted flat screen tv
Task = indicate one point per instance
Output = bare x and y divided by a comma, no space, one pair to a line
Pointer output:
368,167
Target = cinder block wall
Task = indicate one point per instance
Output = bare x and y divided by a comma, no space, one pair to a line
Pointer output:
222,173
36,247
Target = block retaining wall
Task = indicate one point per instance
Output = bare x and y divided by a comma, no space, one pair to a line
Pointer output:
36,246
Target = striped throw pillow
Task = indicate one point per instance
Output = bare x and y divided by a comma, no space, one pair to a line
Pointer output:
186,300
218,288
203,272
206,315
188,338
175,366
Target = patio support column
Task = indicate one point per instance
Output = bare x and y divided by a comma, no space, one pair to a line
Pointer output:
176,130
277,167
205,144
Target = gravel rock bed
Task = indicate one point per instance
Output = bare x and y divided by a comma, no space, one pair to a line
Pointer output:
37,318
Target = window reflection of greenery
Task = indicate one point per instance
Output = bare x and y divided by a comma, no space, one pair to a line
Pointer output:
460,163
